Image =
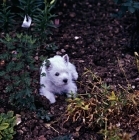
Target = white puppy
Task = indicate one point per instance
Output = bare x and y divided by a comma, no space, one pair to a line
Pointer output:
58,76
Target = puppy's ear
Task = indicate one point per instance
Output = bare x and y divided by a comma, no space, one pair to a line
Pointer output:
48,64
66,58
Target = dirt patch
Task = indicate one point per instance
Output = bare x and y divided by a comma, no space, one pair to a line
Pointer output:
95,40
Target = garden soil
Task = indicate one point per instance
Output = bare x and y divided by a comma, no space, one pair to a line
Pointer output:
95,40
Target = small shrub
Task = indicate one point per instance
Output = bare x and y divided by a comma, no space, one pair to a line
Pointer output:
127,5
19,57
100,104
102,107
19,51
29,7
43,20
43,114
40,12
6,17
94,110
113,132
7,123
131,6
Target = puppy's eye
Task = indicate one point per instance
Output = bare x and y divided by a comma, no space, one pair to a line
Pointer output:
56,74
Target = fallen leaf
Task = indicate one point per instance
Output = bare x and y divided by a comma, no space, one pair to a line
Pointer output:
112,97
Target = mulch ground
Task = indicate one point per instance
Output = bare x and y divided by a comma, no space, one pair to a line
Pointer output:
95,40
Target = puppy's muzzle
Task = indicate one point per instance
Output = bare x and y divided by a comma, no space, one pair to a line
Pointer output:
65,81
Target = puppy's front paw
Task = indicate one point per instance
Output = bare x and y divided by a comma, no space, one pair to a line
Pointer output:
52,100
50,96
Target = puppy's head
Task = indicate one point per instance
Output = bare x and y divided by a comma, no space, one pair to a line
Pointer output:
57,70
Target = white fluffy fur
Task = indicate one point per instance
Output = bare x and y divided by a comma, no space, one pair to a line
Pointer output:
54,83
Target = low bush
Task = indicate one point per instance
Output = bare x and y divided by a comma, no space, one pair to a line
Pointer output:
7,123
127,5
39,11
131,6
101,107
6,18
20,51
19,64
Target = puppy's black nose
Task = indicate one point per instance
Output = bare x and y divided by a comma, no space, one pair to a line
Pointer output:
65,80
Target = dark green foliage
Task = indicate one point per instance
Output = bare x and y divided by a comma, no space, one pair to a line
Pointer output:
51,46
67,137
29,7
131,6
40,12
43,20
7,123
19,53
127,5
43,114
6,17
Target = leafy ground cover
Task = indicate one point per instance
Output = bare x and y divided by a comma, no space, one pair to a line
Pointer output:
98,44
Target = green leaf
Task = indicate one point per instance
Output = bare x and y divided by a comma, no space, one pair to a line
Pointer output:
47,117
9,88
2,73
7,77
52,2
11,130
112,97
10,114
4,126
136,5
28,92
19,66
0,118
127,4
131,9
86,107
